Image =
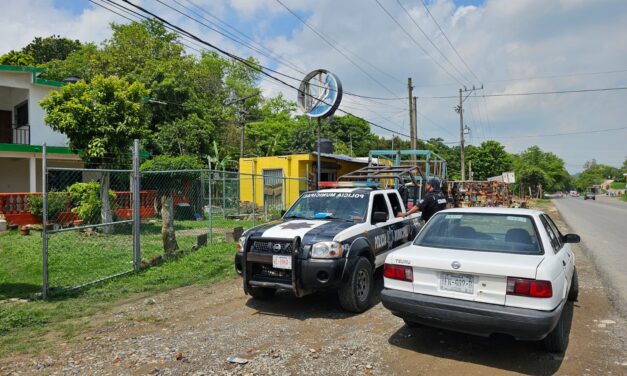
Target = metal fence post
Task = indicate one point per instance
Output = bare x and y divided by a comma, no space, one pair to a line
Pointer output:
254,203
223,190
136,208
210,203
44,218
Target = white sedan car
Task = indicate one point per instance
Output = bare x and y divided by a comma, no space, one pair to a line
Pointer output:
486,271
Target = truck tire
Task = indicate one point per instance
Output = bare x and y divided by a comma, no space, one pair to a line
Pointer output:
262,293
355,293
557,341
573,293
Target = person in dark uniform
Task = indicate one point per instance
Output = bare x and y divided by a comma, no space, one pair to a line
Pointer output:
433,202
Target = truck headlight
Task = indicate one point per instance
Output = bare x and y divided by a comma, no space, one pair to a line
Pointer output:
326,250
240,244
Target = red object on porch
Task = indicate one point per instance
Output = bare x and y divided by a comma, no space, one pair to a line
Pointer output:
16,208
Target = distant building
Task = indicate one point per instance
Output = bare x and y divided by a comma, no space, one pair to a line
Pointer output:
286,177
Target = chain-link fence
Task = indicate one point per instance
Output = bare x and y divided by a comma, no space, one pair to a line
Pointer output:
101,223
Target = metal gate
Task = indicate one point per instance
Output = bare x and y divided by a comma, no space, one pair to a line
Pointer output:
273,189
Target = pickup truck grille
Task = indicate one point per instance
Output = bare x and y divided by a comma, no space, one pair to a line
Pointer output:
278,248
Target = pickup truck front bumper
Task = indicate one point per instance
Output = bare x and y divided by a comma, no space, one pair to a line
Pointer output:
306,275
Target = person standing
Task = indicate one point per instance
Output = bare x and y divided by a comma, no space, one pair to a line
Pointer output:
433,202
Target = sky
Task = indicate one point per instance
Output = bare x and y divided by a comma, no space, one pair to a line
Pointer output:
507,46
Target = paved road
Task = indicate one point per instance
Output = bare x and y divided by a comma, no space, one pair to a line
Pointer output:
602,225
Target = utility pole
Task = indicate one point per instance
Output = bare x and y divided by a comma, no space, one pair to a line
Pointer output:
414,127
412,114
460,110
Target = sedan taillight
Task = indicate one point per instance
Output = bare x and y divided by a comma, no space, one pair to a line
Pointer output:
529,287
400,272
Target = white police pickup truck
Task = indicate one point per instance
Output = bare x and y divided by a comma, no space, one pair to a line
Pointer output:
329,239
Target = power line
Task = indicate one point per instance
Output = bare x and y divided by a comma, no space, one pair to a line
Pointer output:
532,93
449,41
431,41
416,42
325,39
561,134
256,67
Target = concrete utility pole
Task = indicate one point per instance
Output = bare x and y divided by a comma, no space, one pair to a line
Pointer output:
414,126
412,114
460,111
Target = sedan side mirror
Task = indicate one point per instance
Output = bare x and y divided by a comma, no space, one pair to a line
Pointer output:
378,217
571,238
283,212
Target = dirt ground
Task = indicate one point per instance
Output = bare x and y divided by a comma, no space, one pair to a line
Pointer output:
193,330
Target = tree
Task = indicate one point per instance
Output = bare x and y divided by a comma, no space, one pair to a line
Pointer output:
17,58
50,48
101,119
166,184
489,159
533,167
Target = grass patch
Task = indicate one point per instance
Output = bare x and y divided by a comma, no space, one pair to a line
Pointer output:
618,185
624,197
23,326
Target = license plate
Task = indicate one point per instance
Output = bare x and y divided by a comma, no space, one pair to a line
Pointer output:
282,262
457,282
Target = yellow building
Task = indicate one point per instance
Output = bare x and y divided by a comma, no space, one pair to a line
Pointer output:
280,180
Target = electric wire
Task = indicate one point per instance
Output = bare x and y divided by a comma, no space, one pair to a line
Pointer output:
243,61
532,93
332,45
417,43
431,41
449,41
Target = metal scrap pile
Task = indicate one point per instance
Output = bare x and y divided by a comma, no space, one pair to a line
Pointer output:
480,194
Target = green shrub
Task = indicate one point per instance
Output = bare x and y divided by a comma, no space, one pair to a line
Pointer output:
86,202
57,202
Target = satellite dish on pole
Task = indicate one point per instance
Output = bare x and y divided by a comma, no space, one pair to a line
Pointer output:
319,94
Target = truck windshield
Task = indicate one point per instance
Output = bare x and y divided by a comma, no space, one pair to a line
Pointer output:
330,205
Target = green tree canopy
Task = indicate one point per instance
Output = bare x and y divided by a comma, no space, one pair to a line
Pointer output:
101,117
50,48
533,167
17,58
489,159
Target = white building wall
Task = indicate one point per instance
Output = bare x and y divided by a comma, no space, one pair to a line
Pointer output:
39,131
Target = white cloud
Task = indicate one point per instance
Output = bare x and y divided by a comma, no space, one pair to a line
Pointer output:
499,40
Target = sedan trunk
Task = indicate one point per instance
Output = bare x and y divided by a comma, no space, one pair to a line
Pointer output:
467,275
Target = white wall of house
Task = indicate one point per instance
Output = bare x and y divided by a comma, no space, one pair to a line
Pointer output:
15,87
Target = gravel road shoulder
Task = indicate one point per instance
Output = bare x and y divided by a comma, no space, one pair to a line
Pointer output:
193,330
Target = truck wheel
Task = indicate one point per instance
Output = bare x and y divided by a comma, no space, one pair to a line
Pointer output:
573,293
556,341
262,293
355,293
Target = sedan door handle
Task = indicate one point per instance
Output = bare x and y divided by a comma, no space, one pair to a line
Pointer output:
563,262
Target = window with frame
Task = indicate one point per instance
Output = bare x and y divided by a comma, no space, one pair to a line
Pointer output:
380,205
555,243
21,114
395,203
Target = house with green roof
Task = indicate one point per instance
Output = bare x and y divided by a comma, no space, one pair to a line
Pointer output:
23,132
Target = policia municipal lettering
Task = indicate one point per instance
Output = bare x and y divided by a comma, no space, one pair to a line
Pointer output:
433,202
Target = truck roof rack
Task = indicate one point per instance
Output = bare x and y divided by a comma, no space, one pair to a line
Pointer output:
398,173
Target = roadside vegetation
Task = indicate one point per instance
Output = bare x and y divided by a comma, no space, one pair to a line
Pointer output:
24,323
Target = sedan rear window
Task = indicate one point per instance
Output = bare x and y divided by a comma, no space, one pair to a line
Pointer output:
481,232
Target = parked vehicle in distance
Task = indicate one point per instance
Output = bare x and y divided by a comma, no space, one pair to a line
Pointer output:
574,194
486,271
590,196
